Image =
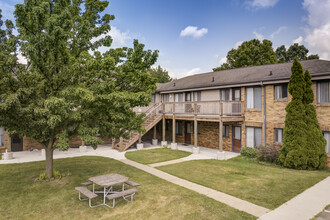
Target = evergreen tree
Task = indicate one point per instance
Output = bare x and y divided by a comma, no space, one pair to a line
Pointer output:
315,145
293,153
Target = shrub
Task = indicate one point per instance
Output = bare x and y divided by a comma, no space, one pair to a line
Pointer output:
268,153
249,152
56,175
0,156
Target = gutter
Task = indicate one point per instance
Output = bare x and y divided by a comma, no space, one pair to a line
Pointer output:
264,114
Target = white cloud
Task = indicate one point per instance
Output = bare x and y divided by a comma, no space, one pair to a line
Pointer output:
192,71
299,40
238,44
223,60
119,38
318,30
258,4
258,35
21,59
278,31
193,31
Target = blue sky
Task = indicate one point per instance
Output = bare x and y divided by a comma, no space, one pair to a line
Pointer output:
194,36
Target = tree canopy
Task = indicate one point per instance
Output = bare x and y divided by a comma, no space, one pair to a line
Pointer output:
254,53
68,88
249,53
160,74
295,50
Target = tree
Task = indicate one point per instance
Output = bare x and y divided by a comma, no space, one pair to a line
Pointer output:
315,142
295,50
294,133
303,143
160,74
66,89
250,53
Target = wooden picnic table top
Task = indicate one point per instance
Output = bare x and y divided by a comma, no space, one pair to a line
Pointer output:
107,180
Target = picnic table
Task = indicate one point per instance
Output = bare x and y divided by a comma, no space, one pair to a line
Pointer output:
107,181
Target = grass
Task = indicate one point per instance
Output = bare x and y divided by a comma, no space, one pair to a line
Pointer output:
263,184
155,155
22,198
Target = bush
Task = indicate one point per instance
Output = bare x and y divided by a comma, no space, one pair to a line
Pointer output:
0,156
249,152
56,175
268,153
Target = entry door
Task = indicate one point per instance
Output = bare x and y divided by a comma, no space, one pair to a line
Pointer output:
16,143
188,133
236,138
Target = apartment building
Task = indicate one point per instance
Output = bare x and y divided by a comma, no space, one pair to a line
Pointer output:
230,109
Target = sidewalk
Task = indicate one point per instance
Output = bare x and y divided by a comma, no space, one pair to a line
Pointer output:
305,205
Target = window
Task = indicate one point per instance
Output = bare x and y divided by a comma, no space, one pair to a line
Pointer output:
197,96
2,136
188,97
253,136
327,138
198,128
323,92
225,94
225,131
281,91
153,96
278,135
237,94
253,98
237,131
188,126
178,97
178,127
166,98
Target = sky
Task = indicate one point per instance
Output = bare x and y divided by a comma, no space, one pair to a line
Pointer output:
194,36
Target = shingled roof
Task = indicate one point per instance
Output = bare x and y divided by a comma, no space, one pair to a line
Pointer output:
264,73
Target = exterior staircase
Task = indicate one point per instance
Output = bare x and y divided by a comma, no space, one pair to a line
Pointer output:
153,116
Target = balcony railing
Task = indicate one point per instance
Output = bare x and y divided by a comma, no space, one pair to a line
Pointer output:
214,108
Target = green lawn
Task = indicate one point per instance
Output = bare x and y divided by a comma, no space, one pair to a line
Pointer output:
266,185
22,198
155,155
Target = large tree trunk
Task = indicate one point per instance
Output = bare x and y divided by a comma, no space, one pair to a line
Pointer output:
49,162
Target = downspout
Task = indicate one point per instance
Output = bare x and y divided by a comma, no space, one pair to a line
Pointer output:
264,114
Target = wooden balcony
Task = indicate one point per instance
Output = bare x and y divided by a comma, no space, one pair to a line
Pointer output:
206,110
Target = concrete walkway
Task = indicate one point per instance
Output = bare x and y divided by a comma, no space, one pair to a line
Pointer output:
305,205
211,193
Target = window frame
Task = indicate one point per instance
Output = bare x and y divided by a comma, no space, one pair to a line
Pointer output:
226,93
254,98
318,92
167,99
276,135
281,87
197,94
327,146
225,131
2,137
254,135
180,97
178,128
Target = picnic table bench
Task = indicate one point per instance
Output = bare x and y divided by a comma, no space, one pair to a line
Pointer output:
107,181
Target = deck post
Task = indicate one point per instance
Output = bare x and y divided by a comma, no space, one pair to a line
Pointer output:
195,130
164,128
155,132
173,129
121,142
220,134
140,138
